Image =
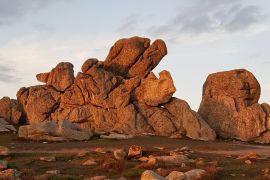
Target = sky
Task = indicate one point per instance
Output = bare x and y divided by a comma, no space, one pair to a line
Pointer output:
202,37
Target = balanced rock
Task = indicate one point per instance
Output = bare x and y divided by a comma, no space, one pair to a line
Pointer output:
149,59
9,110
120,95
60,77
230,106
158,91
125,53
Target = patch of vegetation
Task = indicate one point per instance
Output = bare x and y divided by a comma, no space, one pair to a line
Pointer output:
133,172
64,158
59,177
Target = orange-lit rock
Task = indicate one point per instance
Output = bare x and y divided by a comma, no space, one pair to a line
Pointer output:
120,95
230,106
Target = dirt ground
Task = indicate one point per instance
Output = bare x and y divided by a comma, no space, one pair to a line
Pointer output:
25,158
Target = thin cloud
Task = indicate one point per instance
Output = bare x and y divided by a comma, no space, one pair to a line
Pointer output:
7,74
11,11
243,18
211,16
129,24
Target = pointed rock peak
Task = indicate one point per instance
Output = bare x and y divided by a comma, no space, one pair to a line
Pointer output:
135,56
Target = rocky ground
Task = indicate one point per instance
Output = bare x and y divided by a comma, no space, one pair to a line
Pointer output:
106,157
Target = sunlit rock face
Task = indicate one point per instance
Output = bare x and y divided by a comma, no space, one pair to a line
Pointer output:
230,106
9,110
120,94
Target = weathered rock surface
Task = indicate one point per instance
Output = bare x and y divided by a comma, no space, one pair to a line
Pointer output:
116,136
10,174
149,59
60,77
172,160
9,110
5,127
176,175
119,154
125,53
38,102
120,95
230,106
151,175
195,174
187,119
135,151
158,91
52,131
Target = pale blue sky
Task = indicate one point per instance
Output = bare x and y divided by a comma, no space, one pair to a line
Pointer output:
203,36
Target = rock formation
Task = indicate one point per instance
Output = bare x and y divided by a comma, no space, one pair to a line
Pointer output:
230,106
118,95
60,77
9,110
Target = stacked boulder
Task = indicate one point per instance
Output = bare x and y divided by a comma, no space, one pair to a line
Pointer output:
230,106
119,95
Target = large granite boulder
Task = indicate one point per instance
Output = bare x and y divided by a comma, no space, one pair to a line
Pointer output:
230,106
9,110
149,59
125,53
120,95
38,102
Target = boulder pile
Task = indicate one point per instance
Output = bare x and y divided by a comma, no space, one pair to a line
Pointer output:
120,95
123,97
230,106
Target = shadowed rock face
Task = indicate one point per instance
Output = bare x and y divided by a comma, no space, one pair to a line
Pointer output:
230,106
119,95
9,110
